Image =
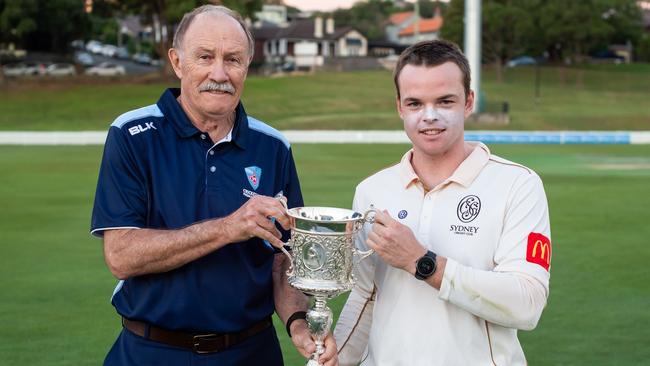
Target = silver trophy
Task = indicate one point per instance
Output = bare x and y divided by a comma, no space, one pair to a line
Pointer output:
322,242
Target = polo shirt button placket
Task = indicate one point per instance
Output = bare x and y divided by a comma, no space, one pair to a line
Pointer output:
427,207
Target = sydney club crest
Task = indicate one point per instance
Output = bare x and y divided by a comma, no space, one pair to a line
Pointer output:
468,208
253,173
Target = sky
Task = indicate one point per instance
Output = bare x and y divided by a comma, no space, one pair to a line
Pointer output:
323,5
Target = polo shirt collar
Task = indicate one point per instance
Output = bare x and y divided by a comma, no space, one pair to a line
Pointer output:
464,175
173,111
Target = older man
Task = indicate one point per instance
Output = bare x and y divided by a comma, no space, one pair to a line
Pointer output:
185,204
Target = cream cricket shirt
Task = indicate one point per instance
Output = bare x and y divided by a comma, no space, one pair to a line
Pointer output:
490,219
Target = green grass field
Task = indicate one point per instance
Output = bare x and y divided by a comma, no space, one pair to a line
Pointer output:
55,288
603,97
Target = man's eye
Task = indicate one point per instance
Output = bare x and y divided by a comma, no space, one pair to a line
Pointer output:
233,60
413,104
204,57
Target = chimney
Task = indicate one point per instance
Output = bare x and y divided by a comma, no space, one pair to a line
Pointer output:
318,27
329,26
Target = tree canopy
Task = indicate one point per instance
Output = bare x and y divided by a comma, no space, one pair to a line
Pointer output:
562,30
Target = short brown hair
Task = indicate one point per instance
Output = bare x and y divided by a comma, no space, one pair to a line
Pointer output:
433,53
188,18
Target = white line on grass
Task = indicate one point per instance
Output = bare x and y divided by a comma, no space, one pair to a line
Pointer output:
359,137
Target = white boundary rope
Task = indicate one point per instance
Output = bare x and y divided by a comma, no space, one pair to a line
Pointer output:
359,137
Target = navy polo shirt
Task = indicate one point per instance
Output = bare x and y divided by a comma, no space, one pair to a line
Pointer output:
160,172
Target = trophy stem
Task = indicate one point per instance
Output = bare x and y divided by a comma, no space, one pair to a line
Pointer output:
319,321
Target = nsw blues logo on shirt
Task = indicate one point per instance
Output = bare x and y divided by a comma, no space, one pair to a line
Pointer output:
253,173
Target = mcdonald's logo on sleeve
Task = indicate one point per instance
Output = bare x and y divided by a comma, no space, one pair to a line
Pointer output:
539,250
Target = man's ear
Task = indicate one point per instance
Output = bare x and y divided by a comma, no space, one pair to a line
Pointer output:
175,59
469,104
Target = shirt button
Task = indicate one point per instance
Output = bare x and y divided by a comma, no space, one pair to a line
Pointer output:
213,169
203,136
211,152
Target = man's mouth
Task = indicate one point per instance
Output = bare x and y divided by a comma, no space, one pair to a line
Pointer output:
217,92
432,131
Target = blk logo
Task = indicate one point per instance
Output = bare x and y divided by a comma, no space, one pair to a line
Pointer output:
137,129
468,208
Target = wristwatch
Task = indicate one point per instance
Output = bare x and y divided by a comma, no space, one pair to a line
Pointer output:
425,267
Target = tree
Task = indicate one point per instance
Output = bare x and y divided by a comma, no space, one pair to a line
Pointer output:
42,24
572,28
368,17
16,20
165,14
507,28
562,29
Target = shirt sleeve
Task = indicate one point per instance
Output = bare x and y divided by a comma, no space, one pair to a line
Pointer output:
353,327
515,292
121,196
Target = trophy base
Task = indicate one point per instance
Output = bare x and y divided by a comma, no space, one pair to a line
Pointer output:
328,289
312,362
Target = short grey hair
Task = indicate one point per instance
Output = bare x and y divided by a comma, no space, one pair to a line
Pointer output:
188,18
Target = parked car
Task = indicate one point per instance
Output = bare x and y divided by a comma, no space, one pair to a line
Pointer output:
156,62
94,47
521,61
84,58
607,57
16,69
61,69
142,58
106,69
122,53
25,68
35,68
109,50
77,44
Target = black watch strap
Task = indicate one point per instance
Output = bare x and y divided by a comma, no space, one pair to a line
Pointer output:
295,316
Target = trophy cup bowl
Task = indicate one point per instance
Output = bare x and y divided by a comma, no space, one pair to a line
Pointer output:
323,250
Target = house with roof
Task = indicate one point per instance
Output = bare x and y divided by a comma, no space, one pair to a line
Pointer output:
406,28
307,43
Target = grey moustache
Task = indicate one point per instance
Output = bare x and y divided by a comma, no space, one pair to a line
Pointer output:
211,86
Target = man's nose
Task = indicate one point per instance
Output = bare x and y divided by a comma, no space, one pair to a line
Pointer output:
218,72
430,114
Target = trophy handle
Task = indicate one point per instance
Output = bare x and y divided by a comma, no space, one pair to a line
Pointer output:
286,252
367,218
283,201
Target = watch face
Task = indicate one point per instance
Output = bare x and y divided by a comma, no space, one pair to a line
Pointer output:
425,265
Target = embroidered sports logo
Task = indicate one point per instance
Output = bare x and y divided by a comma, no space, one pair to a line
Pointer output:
538,250
254,174
402,214
468,208
137,129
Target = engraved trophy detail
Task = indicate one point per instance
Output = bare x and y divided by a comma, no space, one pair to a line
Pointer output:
323,250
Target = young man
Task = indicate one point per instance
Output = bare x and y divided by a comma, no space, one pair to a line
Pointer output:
183,202
462,242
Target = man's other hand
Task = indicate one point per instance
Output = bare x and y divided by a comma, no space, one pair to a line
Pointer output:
255,219
304,343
